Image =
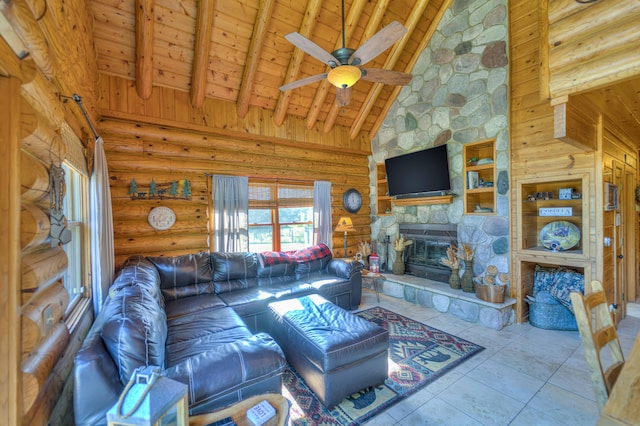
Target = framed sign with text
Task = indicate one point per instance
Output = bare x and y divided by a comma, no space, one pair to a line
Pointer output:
555,211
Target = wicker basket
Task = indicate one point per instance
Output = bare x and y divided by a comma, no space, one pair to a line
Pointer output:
491,293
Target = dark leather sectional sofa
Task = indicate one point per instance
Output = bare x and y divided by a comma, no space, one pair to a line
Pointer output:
203,318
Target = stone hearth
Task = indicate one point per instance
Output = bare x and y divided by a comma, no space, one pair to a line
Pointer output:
439,296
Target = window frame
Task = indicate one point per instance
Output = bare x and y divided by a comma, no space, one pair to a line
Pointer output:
274,210
76,211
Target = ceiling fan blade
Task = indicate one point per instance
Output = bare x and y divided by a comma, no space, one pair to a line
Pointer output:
378,43
303,81
343,96
307,46
386,76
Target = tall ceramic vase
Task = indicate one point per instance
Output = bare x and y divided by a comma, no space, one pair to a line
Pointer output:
398,265
466,281
454,279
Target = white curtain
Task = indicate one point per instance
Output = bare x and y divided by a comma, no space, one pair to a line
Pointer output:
322,228
102,254
231,213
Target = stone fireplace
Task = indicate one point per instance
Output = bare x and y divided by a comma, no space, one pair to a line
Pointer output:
430,242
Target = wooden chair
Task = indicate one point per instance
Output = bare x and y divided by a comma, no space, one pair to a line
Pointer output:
598,331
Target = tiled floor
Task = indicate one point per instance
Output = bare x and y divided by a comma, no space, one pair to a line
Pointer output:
525,376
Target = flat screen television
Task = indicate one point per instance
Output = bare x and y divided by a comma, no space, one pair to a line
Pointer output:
420,173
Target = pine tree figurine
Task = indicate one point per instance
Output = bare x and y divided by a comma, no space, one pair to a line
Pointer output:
186,190
152,188
133,188
173,191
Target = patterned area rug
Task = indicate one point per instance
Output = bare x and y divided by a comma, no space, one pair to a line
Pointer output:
418,354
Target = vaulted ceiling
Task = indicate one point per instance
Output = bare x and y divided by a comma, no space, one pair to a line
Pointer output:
236,51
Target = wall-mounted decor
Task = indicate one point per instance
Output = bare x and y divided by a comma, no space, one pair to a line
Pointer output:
610,197
161,218
178,189
60,235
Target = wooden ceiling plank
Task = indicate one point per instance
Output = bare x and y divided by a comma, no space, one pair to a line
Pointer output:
412,21
144,47
414,59
354,15
253,57
201,48
308,22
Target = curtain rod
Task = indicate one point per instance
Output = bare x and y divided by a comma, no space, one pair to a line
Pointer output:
266,179
78,100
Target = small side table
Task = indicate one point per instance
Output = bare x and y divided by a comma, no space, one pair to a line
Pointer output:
374,279
238,411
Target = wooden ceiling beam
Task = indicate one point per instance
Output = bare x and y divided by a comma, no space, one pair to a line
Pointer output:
144,47
389,63
409,68
308,22
253,56
201,48
351,21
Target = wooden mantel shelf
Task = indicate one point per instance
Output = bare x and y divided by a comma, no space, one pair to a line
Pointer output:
422,201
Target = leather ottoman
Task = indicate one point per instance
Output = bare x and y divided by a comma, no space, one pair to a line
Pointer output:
336,353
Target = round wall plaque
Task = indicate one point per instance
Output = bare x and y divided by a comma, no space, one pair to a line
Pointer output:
161,218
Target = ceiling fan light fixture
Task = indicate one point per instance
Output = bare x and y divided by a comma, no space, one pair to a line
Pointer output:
344,76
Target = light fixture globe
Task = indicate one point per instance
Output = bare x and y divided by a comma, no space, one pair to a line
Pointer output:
344,76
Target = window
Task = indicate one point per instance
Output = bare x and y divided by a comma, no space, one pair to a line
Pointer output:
280,216
76,211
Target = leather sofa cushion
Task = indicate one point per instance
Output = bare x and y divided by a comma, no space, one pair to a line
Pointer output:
230,368
233,285
140,272
234,266
134,331
290,290
248,302
184,276
193,304
192,334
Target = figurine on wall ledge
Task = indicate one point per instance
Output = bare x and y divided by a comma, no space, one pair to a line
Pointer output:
177,190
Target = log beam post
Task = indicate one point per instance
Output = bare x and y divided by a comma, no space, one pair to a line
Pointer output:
144,47
201,48
10,401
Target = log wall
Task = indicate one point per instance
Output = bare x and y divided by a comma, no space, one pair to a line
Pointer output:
591,45
538,149
42,338
534,150
144,152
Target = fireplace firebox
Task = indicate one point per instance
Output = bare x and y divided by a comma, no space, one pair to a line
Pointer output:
430,242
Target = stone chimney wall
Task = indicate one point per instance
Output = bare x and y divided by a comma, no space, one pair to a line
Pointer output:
458,95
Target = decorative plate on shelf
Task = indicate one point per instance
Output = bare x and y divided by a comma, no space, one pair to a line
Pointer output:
559,235
161,218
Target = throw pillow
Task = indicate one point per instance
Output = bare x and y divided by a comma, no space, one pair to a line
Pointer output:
565,282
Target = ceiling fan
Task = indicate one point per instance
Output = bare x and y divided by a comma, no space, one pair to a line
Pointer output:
346,63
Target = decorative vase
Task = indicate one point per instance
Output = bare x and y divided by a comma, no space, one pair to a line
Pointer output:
466,282
398,265
454,279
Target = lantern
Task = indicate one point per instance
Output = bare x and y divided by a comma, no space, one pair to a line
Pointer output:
150,399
